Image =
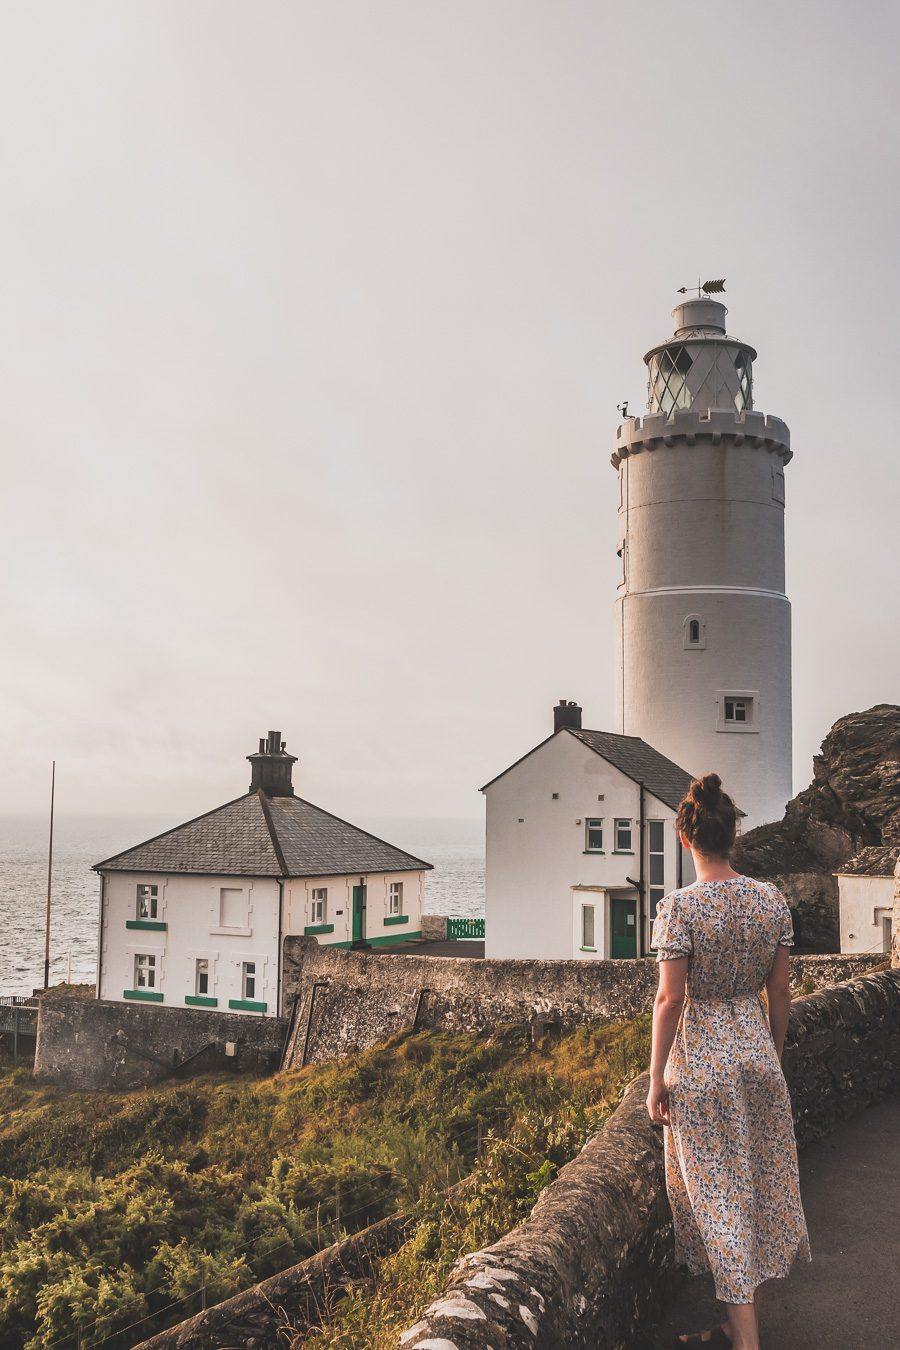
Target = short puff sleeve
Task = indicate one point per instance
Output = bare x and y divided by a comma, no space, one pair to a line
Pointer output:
671,930
785,920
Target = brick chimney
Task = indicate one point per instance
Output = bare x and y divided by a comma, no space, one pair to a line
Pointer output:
272,767
566,714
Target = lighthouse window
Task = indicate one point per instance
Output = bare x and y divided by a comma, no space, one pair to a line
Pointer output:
737,710
694,631
744,369
668,380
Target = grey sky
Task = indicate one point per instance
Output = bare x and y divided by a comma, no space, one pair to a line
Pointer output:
314,324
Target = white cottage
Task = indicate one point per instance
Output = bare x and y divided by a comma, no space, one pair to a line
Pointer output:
866,898
197,915
581,845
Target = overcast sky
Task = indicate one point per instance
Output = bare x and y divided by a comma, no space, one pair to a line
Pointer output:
313,326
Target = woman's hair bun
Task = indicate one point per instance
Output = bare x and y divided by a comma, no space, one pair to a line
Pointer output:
706,791
707,817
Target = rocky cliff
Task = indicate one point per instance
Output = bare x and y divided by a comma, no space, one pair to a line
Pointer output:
853,800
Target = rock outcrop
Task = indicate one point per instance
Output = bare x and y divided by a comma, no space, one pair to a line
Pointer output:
853,801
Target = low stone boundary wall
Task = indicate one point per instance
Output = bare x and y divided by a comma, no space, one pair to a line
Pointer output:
595,1256
294,1299
351,1000
91,1044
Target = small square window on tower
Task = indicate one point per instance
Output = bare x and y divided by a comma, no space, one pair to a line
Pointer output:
737,710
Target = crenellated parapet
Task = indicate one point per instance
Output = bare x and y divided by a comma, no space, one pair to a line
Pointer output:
712,425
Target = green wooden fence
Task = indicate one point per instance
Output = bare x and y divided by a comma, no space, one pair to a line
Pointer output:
465,928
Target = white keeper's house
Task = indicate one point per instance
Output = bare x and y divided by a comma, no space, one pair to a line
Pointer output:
581,845
866,897
197,916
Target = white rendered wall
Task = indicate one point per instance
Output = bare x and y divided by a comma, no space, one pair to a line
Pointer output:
864,902
703,533
189,906
535,850
380,927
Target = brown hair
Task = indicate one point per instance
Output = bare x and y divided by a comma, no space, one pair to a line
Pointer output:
707,817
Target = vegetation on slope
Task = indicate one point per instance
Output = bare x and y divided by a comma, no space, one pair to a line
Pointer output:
116,1209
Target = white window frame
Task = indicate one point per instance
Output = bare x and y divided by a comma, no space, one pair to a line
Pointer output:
585,906
591,825
152,899
145,966
656,890
623,823
199,974
249,973
395,897
318,906
750,700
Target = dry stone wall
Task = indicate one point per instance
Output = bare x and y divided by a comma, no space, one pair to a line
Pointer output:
595,1257
350,1000
92,1044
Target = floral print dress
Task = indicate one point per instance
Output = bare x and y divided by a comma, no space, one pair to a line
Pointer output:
731,1156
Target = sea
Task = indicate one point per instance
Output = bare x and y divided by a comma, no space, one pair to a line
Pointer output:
456,886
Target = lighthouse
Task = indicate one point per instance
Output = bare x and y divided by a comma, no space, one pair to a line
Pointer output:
702,620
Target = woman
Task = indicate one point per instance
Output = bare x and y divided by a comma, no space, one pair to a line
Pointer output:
715,1073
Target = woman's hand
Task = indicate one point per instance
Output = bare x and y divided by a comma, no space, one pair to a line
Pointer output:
658,1102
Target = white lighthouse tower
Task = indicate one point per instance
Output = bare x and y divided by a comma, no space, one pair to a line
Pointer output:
703,624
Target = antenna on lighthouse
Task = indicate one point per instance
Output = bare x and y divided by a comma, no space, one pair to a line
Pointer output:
706,287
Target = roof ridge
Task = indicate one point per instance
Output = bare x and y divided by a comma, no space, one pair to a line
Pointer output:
270,826
359,830
171,830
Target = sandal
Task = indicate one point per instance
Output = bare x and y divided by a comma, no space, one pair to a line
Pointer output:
716,1340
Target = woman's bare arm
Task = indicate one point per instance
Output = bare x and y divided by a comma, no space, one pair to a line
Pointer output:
778,993
666,1012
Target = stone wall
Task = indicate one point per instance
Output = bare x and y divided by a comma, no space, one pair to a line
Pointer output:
594,1258
94,1044
350,1000
434,927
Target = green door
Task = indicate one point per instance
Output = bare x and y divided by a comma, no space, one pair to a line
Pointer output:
623,922
359,913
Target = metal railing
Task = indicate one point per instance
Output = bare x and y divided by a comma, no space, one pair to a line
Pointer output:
18,1025
465,928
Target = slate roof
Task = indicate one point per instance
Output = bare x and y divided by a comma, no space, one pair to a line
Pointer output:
261,836
879,860
633,757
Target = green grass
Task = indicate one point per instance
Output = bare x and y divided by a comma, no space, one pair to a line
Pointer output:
113,1206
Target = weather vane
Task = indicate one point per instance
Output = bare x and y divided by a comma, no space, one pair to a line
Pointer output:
706,287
